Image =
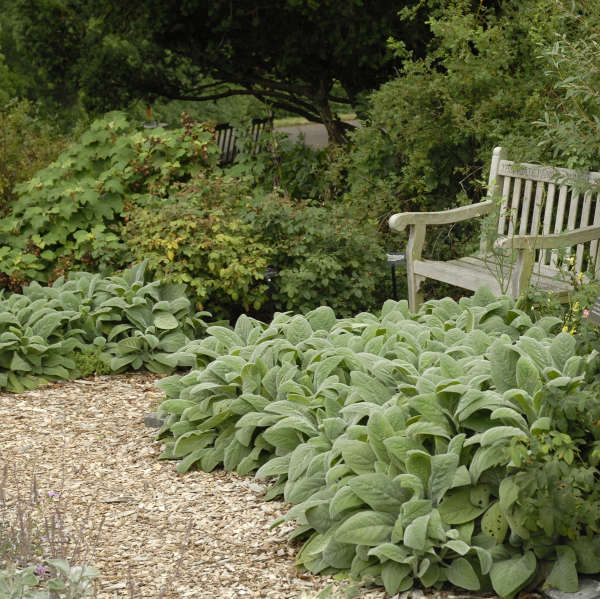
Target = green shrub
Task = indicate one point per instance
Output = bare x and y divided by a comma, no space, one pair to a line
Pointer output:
322,255
27,144
67,215
217,237
446,446
429,133
295,169
196,236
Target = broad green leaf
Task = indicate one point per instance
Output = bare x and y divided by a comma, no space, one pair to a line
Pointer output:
494,523
365,528
561,349
461,574
175,406
191,441
298,330
165,320
443,469
528,376
511,575
358,455
564,572
456,507
415,534
379,429
226,336
396,577
502,433
391,551
321,318
503,359
379,492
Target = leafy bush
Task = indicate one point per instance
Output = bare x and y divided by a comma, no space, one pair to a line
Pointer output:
429,133
67,215
295,169
447,446
323,256
197,237
570,122
88,324
27,144
216,236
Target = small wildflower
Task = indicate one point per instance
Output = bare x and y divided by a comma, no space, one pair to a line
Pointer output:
586,313
43,539
53,494
565,329
580,276
40,569
576,307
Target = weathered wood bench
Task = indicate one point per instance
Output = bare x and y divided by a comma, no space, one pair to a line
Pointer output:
226,138
539,214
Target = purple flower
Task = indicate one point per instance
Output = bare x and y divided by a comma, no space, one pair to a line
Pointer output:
43,539
53,494
41,570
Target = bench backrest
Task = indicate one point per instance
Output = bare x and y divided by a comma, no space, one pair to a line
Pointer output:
226,138
544,200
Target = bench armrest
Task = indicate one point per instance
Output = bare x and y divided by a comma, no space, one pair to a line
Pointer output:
399,222
549,242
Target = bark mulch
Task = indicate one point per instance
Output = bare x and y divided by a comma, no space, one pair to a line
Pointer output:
194,535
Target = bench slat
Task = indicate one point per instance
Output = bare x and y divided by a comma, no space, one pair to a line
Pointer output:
525,204
549,210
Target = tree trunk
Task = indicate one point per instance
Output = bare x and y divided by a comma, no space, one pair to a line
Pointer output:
335,128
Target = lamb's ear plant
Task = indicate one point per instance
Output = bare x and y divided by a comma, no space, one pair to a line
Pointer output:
418,449
88,324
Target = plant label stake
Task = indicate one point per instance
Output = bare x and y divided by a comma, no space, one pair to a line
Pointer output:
395,259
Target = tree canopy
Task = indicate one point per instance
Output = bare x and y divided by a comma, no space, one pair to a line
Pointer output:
298,55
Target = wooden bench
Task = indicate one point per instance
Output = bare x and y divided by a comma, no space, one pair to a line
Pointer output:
538,215
226,138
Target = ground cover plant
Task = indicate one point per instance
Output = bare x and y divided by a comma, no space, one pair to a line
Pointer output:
89,324
456,445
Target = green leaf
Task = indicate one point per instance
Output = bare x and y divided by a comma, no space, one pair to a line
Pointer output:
379,491
365,528
415,534
456,507
564,572
321,318
561,349
443,469
461,574
358,455
226,336
298,330
175,406
511,575
528,376
396,577
494,523
503,360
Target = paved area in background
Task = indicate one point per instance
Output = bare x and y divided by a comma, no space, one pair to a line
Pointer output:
315,134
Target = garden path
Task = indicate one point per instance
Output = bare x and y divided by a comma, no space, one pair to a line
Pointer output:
86,440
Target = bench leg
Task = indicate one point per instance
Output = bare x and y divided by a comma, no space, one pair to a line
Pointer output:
415,295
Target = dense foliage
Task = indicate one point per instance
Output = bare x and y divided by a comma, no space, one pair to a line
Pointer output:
218,237
458,444
298,56
27,144
67,215
88,324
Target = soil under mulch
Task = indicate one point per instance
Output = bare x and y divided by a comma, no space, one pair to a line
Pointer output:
86,439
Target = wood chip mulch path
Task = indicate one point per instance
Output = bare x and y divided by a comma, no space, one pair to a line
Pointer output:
86,439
